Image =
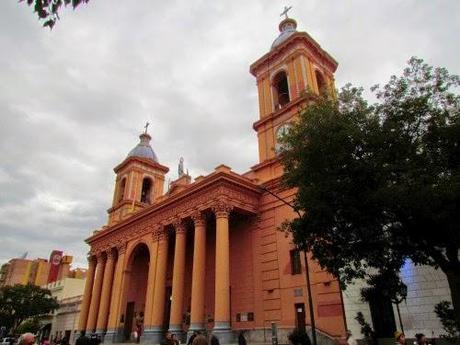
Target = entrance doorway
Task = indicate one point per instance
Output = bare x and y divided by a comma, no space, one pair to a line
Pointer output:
138,268
300,316
129,320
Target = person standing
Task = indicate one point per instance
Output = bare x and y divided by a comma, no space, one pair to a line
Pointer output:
421,339
82,339
200,340
27,339
241,339
174,340
400,338
192,338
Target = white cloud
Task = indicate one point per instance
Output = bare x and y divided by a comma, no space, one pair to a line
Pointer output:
73,100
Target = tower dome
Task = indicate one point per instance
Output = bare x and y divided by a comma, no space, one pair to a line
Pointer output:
143,149
287,28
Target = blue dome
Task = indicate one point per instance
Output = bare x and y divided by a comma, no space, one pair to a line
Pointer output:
143,149
287,29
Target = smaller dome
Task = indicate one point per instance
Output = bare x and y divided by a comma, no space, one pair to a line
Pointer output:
143,149
287,28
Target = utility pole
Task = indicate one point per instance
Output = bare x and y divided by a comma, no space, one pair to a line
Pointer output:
307,269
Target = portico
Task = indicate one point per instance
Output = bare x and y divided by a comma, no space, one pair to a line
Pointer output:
181,225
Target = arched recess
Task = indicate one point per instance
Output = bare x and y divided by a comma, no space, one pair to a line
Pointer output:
121,190
280,88
136,290
322,86
146,191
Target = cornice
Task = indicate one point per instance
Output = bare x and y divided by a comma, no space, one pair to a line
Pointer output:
141,160
289,106
298,36
239,191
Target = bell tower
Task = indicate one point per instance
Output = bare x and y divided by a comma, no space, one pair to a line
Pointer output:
295,68
139,182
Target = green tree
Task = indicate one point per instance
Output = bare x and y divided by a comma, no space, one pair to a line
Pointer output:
378,184
48,10
29,326
21,302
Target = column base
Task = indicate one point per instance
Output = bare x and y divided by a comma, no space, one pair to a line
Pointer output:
152,335
113,336
196,327
223,332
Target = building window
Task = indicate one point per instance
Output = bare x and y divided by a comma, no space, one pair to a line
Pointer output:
280,90
320,82
121,190
146,190
250,316
296,266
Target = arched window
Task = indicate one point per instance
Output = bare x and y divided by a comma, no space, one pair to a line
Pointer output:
280,90
121,190
146,190
322,87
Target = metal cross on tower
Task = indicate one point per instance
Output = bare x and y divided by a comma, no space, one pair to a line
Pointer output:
146,126
285,11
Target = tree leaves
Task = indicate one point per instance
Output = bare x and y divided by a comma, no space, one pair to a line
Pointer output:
379,183
48,10
20,302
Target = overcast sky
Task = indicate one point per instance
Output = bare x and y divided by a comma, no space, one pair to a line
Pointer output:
73,100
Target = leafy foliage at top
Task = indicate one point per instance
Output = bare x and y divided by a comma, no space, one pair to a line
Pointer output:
380,183
48,10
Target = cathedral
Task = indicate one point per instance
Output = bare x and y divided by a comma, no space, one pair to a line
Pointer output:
207,254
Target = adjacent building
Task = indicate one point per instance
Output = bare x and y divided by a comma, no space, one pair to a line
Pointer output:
64,321
208,254
38,271
426,286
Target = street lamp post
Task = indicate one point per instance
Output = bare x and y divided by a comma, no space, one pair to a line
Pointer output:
307,269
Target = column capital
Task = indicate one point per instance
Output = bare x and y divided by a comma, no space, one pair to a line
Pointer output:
100,257
91,258
160,236
122,248
222,209
179,226
198,218
110,254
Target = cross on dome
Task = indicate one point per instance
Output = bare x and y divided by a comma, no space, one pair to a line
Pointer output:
285,11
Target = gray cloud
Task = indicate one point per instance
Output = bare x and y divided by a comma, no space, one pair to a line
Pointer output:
73,100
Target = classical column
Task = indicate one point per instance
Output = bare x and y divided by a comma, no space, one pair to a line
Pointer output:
197,321
222,292
175,320
154,333
148,313
114,313
96,294
103,313
87,294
